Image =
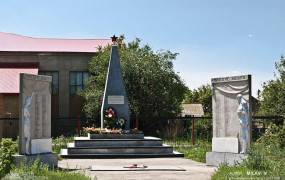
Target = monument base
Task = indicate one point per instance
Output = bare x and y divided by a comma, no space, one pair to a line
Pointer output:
47,158
217,158
118,146
116,136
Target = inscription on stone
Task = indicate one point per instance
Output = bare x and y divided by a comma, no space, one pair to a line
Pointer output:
38,122
232,78
225,104
115,99
35,114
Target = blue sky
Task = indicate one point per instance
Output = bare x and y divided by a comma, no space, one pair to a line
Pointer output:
213,37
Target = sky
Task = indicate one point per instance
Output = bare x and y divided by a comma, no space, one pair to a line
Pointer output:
214,38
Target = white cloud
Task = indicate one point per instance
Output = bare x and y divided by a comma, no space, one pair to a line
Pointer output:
250,35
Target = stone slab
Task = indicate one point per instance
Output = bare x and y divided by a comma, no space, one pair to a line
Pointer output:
47,158
116,136
217,158
147,168
225,144
225,104
117,142
64,154
39,146
34,113
121,150
87,142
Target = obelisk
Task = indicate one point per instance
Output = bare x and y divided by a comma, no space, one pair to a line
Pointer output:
115,95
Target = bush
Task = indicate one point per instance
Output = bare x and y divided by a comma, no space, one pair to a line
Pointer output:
257,160
7,149
274,136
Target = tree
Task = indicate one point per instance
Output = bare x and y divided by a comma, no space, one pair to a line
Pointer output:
202,95
273,97
154,90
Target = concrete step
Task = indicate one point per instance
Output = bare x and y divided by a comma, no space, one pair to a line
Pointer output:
121,150
64,154
122,147
118,142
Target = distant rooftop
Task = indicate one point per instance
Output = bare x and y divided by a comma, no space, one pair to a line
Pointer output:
18,43
10,78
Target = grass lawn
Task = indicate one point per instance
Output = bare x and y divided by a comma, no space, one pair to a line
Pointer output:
266,158
242,172
195,152
61,142
37,170
50,174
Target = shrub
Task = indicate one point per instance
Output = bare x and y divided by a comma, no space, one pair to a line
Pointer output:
36,169
7,149
273,136
257,160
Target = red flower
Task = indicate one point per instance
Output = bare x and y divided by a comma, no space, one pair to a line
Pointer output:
110,113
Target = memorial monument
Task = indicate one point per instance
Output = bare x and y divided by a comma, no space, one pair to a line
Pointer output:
118,140
115,96
35,120
231,119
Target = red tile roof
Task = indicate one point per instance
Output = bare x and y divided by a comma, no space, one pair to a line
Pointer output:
10,78
19,43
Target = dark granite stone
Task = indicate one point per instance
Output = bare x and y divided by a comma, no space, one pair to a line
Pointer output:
115,95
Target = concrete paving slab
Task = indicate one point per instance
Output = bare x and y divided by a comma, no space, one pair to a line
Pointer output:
193,170
128,168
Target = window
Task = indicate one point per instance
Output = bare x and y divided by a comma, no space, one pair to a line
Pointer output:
55,80
77,81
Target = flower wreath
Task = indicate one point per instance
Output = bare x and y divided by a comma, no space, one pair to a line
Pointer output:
110,113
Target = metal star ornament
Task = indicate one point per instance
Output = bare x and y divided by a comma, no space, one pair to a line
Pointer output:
114,39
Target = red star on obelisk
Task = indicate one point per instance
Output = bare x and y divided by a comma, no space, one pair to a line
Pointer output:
114,39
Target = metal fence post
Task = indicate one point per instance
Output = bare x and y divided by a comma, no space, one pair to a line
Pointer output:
193,131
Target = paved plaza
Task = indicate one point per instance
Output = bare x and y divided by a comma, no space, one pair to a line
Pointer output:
167,168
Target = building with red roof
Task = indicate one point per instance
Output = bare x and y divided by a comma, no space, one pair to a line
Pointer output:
66,60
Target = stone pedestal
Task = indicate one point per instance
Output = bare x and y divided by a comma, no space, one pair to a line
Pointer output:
118,146
47,158
225,144
116,136
217,158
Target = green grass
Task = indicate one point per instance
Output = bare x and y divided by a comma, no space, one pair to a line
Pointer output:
36,170
52,175
241,172
41,171
266,158
61,142
195,152
263,162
